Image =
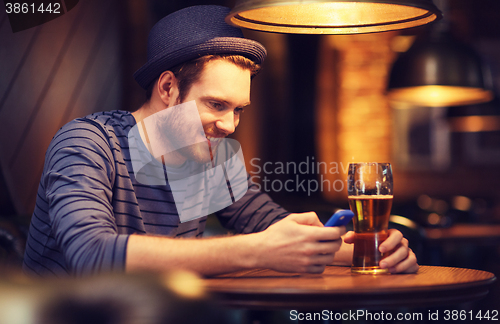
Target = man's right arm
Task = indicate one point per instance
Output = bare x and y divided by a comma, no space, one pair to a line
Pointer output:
298,243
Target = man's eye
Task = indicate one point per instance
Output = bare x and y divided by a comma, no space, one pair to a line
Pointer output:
238,111
216,105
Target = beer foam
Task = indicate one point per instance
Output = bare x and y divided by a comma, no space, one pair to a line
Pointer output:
371,197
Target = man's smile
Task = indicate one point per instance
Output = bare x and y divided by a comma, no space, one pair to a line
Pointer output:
213,142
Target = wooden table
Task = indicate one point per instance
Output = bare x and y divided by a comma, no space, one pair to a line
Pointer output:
337,288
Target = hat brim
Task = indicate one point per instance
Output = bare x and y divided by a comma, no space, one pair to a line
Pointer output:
221,45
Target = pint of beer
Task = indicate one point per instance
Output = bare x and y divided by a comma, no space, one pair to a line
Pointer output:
370,199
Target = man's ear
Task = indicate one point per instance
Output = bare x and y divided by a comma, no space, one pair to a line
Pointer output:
167,88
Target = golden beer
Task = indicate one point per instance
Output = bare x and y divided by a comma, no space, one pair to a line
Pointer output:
371,219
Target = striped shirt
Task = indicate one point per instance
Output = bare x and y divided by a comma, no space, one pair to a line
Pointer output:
89,202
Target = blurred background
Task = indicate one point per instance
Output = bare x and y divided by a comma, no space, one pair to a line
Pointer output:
319,99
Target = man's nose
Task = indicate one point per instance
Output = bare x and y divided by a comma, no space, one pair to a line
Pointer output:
227,123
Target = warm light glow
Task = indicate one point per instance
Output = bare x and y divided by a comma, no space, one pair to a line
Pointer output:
424,202
328,17
462,203
440,96
475,124
433,219
402,43
185,284
403,221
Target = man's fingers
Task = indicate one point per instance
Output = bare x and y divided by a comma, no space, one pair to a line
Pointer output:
313,249
409,265
317,263
397,255
324,254
329,233
309,218
312,231
323,259
393,240
316,268
349,237
326,247
401,258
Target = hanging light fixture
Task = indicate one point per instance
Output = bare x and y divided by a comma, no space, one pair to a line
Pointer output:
439,71
332,16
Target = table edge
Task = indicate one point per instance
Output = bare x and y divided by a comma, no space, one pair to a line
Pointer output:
371,291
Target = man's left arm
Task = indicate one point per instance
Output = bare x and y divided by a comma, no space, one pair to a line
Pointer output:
252,210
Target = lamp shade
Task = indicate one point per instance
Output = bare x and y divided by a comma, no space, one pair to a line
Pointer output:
440,72
332,16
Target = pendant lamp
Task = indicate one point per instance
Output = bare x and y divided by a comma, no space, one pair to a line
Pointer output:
440,71
332,16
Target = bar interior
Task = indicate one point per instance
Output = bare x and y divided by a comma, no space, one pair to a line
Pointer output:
423,97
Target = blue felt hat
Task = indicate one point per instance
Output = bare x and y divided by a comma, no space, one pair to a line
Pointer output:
190,33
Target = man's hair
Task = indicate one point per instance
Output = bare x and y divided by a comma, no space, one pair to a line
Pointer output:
189,72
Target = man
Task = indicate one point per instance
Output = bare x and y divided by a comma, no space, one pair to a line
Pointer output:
92,215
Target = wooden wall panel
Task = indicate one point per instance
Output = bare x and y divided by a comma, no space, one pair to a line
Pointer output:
50,74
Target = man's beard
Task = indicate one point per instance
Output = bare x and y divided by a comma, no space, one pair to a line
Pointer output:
202,151
197,152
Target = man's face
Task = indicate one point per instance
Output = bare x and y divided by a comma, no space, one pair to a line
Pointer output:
221,93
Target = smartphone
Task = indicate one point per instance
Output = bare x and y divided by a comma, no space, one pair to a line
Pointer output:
340,218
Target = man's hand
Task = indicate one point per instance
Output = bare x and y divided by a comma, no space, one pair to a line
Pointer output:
401,260
299,243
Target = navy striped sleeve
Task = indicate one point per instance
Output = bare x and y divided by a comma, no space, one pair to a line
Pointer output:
254,211
78,177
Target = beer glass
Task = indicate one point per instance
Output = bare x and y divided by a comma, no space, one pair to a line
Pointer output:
369,188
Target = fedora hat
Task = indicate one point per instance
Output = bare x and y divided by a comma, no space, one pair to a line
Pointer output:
191,33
